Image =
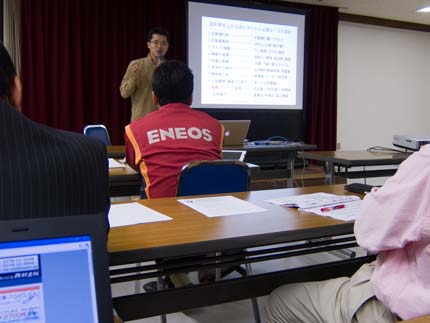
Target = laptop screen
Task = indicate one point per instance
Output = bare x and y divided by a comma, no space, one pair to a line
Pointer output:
233,154
40,280
235,132
55,270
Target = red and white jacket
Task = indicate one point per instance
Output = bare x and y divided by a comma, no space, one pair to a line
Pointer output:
161,143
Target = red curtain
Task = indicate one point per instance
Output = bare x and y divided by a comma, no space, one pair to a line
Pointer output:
75,52
321,74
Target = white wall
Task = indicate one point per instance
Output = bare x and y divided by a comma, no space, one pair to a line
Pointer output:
383,85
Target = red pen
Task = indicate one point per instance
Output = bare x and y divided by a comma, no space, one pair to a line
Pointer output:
331,208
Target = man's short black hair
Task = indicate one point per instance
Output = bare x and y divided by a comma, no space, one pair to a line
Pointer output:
7,72
173,82
158,31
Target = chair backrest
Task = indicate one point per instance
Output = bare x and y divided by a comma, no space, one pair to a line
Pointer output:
212,177
99,132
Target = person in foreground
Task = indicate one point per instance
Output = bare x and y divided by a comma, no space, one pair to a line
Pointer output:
137,79
161,143
46,172
394,221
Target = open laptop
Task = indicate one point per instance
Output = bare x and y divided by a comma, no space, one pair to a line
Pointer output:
55,270
233,154
235,132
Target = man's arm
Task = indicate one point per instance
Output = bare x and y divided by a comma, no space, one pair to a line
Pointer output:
129,81
398,212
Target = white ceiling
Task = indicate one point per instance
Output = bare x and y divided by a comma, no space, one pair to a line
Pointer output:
403,10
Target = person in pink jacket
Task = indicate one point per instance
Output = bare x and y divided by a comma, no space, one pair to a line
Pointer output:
394,222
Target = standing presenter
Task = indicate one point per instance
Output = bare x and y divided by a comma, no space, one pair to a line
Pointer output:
136,82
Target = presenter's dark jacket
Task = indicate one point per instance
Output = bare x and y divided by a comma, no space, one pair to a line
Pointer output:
45,172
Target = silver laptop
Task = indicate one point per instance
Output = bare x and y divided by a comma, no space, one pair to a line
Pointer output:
55,270
233,154
235,132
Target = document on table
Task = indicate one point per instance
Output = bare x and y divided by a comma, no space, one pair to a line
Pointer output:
348,212
312,200
341,207
221,206
113,163
133,213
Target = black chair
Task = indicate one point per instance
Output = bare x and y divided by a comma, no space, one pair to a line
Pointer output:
99,132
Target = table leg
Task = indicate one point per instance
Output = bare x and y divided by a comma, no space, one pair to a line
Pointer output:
329,173
290,179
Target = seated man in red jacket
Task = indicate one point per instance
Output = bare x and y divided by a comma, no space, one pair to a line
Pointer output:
161,143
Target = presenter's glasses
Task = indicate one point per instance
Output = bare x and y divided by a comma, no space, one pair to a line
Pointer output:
157,43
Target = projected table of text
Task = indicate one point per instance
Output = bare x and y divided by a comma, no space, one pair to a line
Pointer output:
248,63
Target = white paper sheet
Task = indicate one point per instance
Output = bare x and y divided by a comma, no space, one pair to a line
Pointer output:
348,212
133,213
221,206
113,163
